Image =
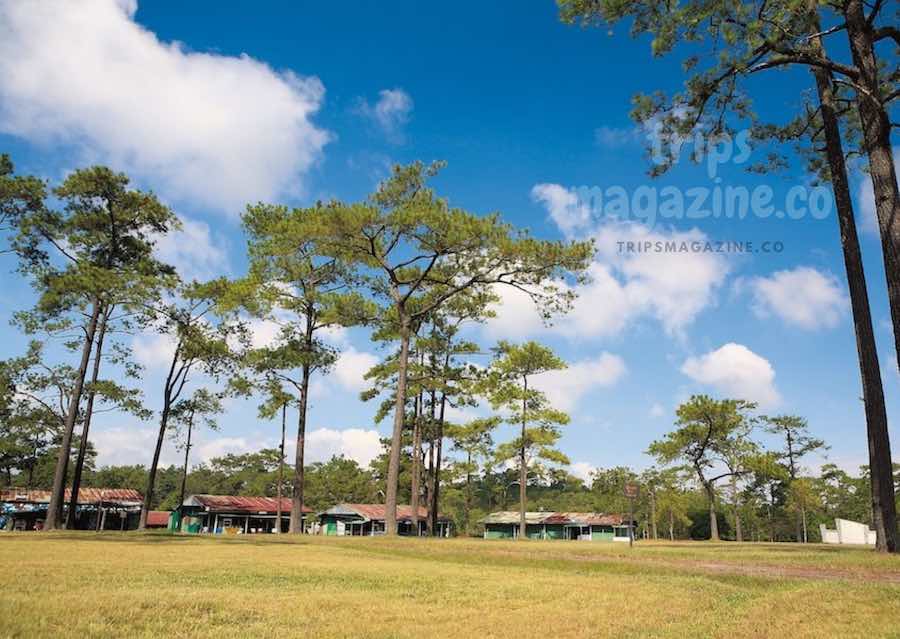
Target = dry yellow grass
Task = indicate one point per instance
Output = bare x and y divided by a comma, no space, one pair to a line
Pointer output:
113,585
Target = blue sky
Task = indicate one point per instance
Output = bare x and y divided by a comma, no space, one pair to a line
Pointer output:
213,105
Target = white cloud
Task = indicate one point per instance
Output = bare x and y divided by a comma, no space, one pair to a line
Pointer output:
566,209
153,350
351,366
612,137
671,287
200,127
354,443
389,113
194,251
221,446
263,332
566,387
124,446
583,471
656,410
736,371
804,297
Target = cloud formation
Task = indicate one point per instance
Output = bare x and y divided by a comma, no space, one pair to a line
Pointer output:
803,297
390,113
566,387
203,128
626,285
737,372
195,251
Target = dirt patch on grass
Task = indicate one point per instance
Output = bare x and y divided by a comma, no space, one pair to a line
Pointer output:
736,568
790,572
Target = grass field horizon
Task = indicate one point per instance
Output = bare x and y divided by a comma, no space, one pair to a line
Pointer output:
152,584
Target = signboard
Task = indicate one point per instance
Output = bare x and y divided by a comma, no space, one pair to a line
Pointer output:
632,490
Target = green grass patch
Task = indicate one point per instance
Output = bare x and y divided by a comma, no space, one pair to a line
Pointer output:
149,585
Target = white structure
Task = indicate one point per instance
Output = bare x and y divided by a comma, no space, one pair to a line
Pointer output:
848,532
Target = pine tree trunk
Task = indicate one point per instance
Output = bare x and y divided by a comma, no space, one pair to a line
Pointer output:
416,479
390,501
169,393
713,523
468,508
429,485
296,525
151,476
72,513
281,468
877,142
58,493
876,129
436,489
184,470
523,470
671,525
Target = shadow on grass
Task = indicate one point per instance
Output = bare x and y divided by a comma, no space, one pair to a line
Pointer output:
151,538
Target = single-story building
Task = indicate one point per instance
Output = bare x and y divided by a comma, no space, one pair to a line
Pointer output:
98,508
232,515
848,532
368,519
558,525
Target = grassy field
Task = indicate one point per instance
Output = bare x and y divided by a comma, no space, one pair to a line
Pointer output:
113,585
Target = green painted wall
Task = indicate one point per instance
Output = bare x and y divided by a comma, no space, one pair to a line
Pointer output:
601,533
556,532
534,531
498,531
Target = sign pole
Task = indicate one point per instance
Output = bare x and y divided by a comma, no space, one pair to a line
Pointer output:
631,522
631,491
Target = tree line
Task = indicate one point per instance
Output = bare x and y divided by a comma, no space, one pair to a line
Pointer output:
413,269
772,497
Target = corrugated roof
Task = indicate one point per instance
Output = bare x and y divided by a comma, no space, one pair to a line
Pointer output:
558,518
513,517
376,512
249,505
586,519
158,517
85,495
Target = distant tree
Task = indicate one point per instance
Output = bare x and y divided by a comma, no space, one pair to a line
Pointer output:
413,252
339,480
291,283
200,346
707,431
100,242
508,385
474,440
202,405
608,488
798,443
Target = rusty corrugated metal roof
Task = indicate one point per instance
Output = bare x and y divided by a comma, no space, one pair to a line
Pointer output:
376,512
513,517
557,518
586,519
85,495
249,505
